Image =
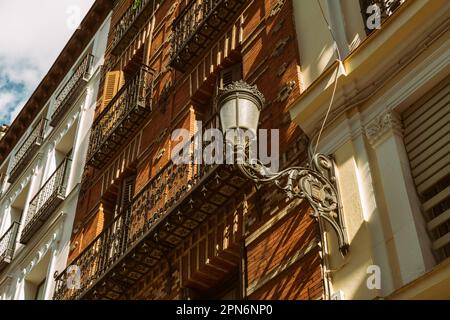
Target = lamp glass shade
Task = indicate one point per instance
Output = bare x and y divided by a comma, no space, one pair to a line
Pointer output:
239,107
239,114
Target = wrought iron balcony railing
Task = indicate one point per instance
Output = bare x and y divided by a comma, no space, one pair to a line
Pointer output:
8,245
386,9
27,150
130,24
72,88
171,205
46,200
121,117
197,26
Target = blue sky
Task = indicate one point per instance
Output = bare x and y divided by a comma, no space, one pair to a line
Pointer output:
32,34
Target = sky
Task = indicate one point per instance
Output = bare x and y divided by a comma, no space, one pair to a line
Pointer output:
32,34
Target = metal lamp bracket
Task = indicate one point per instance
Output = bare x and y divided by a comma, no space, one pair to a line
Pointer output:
315,184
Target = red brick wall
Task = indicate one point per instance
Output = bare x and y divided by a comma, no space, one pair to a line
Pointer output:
283,262
265,42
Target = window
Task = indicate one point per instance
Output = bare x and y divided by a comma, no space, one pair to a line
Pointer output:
40,293
112,83
126,193
18,206
230,75
35,281
427,145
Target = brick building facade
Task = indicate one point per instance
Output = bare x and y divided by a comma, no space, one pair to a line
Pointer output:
148,229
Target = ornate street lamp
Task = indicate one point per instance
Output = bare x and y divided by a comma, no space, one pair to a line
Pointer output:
239,107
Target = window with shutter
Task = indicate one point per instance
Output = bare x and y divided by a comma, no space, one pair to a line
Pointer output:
229,75
127,192
113,82
427,143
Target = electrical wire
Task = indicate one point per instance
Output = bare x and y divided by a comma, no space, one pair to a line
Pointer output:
328,111
335,79
331,30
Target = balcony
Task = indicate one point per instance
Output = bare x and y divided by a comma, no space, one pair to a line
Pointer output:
48,198
196,28
72,89
167,210
130,24
27,150
8,245
387,8
118,121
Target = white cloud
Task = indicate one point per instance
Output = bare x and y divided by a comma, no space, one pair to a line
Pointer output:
5,99
32,34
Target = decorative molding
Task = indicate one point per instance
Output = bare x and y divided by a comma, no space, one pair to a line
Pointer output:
40,253
243,87
172,8
160,154
282,69
286,119
280,45
31,255
285,91
276,8
278,26
388,121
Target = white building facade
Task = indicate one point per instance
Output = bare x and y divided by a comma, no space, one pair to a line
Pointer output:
385,102
41,178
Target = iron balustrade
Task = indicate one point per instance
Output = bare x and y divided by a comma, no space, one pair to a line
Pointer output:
189,20
27,149
127,24
120,117
159,197
196,27
71,89
8,244
185,26
386,7
46,200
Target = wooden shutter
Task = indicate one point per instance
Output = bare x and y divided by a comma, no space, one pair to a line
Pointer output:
113,82
127,192
427,142
229,75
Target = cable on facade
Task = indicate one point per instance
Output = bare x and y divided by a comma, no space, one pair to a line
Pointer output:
335,79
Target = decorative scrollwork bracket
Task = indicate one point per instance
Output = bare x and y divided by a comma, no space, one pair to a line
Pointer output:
316,184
